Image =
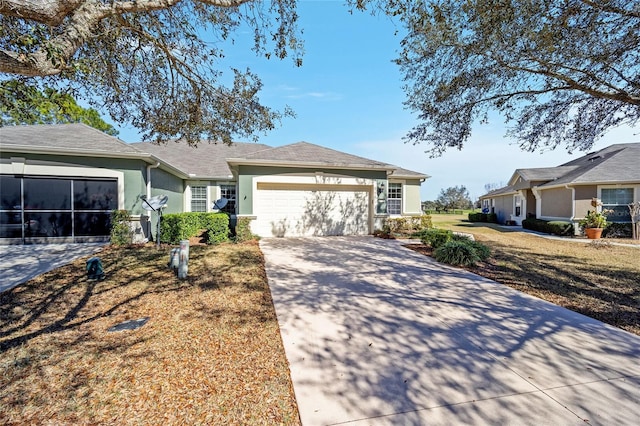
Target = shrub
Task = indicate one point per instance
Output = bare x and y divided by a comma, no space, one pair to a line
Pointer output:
476,217
482,250
436,237
217,227
182,226
121,232
406,225
560,227
556,227
483,217
459,253
618,230
243,230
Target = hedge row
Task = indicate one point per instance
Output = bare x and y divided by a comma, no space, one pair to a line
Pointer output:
555,227
483,217
182,226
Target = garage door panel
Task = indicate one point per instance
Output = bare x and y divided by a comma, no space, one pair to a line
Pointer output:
305,212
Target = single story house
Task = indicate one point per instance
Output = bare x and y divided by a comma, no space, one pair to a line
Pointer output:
60,183
565,192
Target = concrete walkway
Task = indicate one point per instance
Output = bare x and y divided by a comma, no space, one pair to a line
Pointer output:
377,334
20,263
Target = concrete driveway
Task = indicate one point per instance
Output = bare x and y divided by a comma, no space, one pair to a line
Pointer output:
376,334
20,263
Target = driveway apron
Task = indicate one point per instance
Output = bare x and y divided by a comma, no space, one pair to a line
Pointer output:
377,334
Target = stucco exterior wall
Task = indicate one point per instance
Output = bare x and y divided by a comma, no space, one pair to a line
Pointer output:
412,204
164,183
584,194
556,203
503,207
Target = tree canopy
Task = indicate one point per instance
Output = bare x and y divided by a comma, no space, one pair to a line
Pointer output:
454,197
560,72
152,63
24,104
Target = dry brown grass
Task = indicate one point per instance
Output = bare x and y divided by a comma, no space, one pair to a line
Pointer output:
211,352
597,279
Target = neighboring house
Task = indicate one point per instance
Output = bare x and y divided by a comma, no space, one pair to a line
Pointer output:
565,192
60,182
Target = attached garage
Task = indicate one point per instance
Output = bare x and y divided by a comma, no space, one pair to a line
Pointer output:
307,209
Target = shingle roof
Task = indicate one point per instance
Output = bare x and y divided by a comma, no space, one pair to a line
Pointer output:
76,137
500,191
615,163
206,160
306,153
400,172
544,173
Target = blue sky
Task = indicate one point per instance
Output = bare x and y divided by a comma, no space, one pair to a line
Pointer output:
348,96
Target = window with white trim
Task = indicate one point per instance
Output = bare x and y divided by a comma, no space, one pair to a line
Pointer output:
229,192
617,200
394,198
198,198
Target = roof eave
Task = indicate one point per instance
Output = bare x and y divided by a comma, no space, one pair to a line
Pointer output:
74,152
603,182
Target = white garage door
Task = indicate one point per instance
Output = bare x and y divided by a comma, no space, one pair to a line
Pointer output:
288,210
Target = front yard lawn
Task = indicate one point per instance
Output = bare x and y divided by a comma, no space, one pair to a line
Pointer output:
210,353
597,279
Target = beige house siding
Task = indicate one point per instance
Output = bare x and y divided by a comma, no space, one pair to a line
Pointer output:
584,194
531,204
556,203
412,202
503,207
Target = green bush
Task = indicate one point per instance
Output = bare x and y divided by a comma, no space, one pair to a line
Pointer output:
121,232
482,250
556,227
459,253
407,226
217,227
560,227
436,237
483,217
182,226
243,230
476,217
618,230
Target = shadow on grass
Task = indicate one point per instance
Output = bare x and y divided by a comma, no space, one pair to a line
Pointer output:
64,299
606,293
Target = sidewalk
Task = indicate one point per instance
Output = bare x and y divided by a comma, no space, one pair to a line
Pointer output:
20,263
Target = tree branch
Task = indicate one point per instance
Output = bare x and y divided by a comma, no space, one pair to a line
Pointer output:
81,18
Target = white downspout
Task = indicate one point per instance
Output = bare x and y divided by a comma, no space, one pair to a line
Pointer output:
149,167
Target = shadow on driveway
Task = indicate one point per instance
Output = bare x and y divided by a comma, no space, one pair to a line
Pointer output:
378,334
